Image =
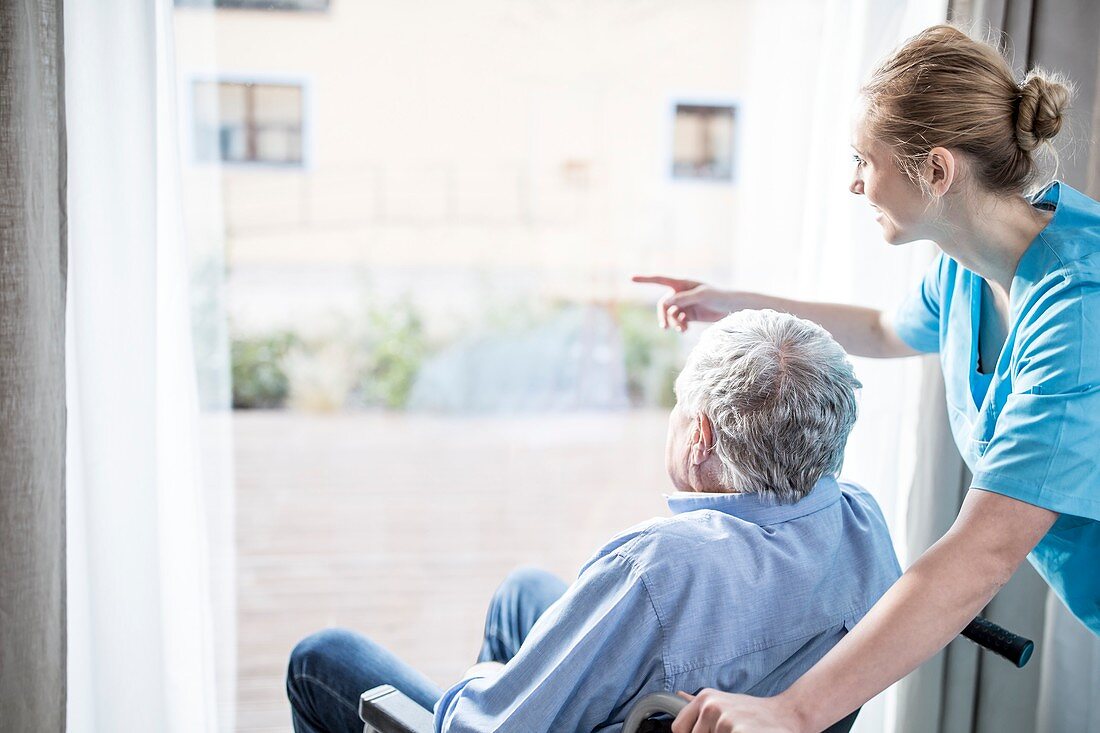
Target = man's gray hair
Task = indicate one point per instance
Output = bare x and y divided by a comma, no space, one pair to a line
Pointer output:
780,394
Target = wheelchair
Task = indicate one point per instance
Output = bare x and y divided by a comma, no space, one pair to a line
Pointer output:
384,709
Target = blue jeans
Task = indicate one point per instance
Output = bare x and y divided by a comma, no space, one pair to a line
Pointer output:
330,669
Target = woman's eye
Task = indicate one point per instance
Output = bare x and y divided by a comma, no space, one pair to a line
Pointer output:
858,161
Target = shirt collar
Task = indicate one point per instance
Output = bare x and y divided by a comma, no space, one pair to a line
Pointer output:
756,508
1049,194
1032,265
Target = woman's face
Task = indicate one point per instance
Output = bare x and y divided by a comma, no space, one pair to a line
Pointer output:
900,206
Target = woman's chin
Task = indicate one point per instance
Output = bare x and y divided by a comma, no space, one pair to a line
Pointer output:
891,234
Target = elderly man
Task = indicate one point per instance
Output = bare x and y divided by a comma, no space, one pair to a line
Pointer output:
765,563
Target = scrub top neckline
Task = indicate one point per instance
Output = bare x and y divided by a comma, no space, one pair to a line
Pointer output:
979,381
1023,278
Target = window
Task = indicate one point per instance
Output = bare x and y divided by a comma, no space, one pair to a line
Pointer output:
248,122
256,4
702,142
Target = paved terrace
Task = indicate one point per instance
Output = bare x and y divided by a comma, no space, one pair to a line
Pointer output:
401,526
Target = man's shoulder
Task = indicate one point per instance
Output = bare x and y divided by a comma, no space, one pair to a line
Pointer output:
664,538
705,534
861,506
857,497
867,530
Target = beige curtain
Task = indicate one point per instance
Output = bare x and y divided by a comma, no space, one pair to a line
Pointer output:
961,690
32,369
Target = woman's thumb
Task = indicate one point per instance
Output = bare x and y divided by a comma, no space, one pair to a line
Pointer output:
683,298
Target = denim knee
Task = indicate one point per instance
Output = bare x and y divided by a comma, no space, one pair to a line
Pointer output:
318,645
530,580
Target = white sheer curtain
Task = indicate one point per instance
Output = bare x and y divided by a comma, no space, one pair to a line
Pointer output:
149,629
804,235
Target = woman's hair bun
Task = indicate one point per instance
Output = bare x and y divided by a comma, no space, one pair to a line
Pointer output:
1044,100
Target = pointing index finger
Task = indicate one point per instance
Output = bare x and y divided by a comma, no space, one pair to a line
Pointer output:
656,280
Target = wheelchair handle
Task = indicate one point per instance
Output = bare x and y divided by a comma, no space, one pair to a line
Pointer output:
1000,641
650,705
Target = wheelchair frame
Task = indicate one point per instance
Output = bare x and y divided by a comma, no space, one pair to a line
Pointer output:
385,709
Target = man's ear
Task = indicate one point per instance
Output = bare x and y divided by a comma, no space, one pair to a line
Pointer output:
941,171
702,440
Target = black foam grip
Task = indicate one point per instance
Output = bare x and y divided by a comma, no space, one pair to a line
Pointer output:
1000,640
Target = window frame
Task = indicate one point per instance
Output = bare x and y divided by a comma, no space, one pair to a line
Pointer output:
668,147
244,5
302,81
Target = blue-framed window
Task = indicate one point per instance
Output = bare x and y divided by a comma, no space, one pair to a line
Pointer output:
248,122
702,142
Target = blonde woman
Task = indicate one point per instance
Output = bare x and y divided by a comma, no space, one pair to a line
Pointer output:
945,149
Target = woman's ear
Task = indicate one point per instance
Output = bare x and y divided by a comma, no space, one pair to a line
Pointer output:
941,171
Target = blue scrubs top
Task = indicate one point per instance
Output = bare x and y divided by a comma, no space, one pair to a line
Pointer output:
1030,429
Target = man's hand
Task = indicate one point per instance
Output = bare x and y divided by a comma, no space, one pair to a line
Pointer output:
712,711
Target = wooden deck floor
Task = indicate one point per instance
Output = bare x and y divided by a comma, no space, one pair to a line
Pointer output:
401,526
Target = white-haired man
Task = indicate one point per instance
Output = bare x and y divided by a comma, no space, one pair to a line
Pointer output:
765,563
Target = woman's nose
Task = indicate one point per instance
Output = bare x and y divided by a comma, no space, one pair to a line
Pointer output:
856,186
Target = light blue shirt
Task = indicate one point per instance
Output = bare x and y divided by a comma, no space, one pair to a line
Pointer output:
1030,428
731,592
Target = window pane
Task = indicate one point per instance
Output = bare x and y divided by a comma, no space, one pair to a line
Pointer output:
278,144
233,103
277,122
233,121
277,104
702,142
233,143
245,122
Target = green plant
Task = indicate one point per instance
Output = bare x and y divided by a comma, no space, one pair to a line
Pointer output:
393,346
259,378
650,355
321,370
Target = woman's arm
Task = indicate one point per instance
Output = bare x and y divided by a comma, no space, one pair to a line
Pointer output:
931,603
861,331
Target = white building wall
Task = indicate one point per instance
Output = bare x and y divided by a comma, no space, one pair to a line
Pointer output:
489,136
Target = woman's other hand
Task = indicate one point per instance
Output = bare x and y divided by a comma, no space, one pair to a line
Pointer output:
688,300
712,711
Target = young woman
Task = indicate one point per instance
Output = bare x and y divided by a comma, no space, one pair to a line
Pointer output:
944,150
